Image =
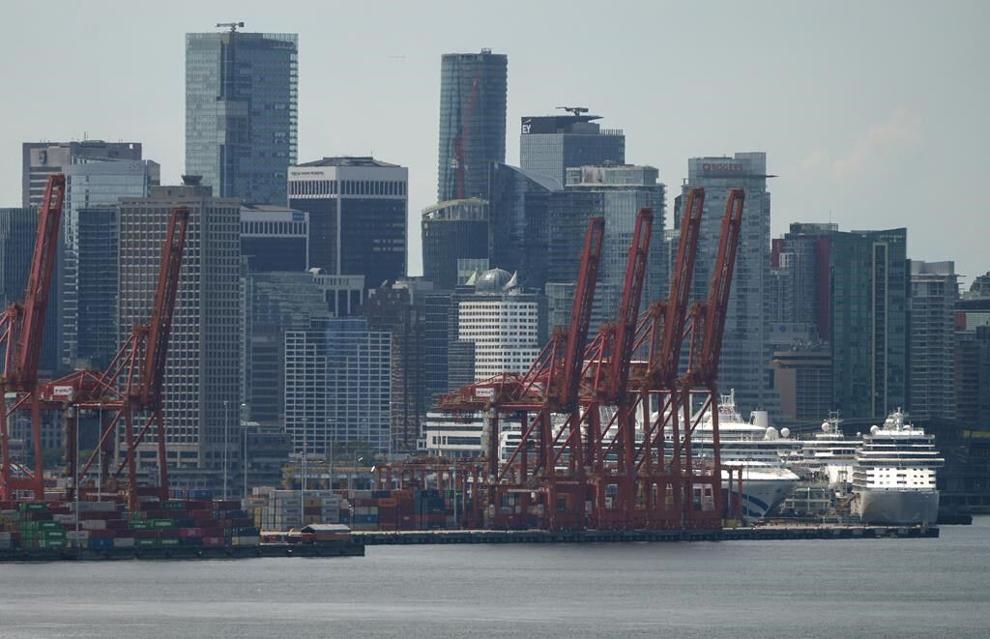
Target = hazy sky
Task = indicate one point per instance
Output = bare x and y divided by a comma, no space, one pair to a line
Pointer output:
873,114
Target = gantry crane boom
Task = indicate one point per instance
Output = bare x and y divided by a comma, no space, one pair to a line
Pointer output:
24,376
565,397
663,370
149,389
628,314
21,329
703,368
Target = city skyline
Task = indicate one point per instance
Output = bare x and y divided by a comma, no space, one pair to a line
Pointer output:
857,163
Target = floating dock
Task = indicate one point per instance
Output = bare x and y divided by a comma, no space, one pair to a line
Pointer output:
379,538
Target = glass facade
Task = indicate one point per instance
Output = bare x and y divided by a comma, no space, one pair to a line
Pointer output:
88,264
455,235
549,145
242,112
472,122
868,295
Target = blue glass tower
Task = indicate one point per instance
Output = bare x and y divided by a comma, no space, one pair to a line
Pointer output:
241,112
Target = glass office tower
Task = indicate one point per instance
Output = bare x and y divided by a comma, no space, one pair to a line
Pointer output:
472,122
241,112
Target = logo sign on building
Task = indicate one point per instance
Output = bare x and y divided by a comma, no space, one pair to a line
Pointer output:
486,393
62,392
722,168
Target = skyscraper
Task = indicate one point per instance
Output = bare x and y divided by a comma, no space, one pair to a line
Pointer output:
202,376
549,145
357,215
932,304
517,214
616,192
869,323
41,159
455,241
88,265
472,122
242,112
745,352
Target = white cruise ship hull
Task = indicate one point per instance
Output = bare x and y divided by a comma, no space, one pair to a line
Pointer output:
900,507
761,494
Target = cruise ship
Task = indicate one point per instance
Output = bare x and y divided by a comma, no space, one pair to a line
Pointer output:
758,449
828,456
894,474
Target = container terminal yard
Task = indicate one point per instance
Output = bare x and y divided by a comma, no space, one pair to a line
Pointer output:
604,452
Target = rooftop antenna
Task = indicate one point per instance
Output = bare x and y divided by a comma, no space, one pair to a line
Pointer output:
574,110
231,25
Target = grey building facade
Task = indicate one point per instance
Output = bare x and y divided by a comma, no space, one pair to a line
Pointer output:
472,122
41,159
202,376
242,112
931,343
549,145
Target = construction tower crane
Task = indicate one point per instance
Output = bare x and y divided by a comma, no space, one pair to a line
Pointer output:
21,336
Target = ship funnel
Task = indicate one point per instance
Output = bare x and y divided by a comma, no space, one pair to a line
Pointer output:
760,418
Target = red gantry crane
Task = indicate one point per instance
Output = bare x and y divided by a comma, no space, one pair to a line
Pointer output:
133,381
638,469
21,334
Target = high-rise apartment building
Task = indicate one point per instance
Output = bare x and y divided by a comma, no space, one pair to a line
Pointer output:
745,351
357,215
242,112
869,322
88,262
472,122
455,241
41,159
931,345
549,145
202,376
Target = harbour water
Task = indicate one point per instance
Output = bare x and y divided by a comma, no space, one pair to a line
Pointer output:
899,588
